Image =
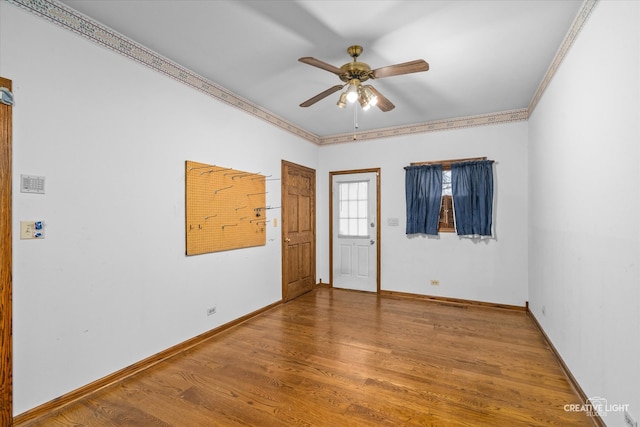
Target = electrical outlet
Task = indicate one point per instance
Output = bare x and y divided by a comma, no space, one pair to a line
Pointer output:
630,422
211,310
435,282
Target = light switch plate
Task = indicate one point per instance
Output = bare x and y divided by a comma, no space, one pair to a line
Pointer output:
31,230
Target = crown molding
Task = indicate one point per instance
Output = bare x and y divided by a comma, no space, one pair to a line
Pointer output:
86,27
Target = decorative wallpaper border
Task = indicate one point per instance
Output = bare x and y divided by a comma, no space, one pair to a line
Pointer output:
462,122
72,20
576,27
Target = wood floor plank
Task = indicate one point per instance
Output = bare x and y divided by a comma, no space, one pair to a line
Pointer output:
339,358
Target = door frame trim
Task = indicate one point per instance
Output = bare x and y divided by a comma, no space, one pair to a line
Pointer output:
379,245
6,266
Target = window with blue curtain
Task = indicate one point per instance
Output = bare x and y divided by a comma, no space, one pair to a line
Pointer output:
472,190
470,197
423,187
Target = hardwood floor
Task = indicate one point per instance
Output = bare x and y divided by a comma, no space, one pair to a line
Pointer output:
339,358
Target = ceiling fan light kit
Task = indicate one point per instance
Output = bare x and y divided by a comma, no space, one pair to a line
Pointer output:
342,101
367,98
352,90
354,73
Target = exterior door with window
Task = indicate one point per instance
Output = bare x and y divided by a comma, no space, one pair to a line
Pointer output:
355,231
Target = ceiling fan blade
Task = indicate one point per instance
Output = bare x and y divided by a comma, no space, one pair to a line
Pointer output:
383,103
321,64
321,95
405,68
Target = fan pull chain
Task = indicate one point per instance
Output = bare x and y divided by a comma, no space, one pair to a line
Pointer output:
355,120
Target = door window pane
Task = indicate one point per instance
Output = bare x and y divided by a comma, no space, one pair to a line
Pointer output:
353,199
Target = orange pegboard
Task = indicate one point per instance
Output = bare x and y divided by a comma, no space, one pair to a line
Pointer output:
225,208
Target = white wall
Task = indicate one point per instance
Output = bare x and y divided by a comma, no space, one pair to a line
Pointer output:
110,284
584,207
491,270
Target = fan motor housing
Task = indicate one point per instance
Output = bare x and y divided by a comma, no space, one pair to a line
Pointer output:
355,70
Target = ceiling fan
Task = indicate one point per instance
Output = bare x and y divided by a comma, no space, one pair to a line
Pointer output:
354,74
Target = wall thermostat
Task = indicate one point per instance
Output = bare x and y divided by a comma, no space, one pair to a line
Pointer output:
32,184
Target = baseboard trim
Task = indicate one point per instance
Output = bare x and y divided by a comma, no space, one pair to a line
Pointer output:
447,300
597,420
118,376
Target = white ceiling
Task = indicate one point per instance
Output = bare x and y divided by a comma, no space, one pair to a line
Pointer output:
485,56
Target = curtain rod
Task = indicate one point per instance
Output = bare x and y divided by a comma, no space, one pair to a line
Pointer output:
446,164
438,162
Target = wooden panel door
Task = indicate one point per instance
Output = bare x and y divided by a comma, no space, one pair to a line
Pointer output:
298,230
6,371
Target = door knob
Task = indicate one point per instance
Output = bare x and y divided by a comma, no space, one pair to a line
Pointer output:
372,241
287,240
